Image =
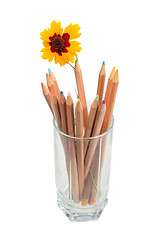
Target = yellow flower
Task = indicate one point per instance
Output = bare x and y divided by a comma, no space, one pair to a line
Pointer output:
58,45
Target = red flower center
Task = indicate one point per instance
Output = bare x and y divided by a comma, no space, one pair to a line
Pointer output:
59,44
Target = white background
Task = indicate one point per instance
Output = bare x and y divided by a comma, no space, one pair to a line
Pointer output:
123,33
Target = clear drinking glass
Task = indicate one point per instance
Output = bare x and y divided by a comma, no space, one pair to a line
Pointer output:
80,198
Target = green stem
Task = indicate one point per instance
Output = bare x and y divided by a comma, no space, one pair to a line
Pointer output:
71,66
93,180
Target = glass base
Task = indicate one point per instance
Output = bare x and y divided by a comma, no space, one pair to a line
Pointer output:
78,213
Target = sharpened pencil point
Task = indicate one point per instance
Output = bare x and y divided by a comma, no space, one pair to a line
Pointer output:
76,60
114,68
103,63
52,93
61,92
78,100
97,98
104,101
49,70
42,84
69,94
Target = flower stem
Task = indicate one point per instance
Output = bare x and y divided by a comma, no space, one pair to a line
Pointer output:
71,66
93,180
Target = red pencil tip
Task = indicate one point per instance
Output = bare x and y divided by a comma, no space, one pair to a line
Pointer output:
42,84
52,93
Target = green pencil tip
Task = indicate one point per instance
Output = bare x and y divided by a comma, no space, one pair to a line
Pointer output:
97,98
76,60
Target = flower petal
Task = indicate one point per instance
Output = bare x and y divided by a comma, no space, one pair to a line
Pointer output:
75,42
51,57
70,57
76,48
45,35
55,28
59,59
72,51
46,44
45,49
73,31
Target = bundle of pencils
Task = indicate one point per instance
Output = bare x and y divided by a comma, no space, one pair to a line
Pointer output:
81,155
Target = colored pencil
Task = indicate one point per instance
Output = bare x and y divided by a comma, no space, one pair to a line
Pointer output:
56,86
88,183
47,96
56,110
90,123
79,145
111,101
71,132
108,87
81,92
96,131
50,84
64,129
109,111
101,82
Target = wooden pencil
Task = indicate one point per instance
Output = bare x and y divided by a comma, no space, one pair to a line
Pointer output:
64,129
81,92
94,186
111,101
109,112
96,131
79,145
50,84
90,122
71,132
101,82
88,184
108,87
62,104
47,96
56,110
56,86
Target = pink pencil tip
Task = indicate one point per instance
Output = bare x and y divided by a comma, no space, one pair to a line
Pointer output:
52,93
69,94
104,101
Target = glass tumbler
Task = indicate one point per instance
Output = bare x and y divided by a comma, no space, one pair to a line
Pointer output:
82,170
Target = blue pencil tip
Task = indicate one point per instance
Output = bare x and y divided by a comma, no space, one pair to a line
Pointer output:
103,63
61,92
49,70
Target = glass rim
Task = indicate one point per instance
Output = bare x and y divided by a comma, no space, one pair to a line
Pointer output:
90,138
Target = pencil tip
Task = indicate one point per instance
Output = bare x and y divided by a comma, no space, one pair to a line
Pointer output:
69,94
104,101
42,84
49,70
78,100
52,93
76,60
61,92
114,68
103,63
97,98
